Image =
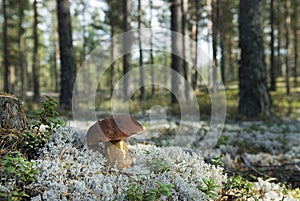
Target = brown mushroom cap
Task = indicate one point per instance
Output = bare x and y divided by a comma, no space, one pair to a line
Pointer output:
116,127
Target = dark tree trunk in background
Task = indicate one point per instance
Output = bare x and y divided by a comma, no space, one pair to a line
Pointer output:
223,41
279,38
195,32
215,30
21,48
5,47
36,65
112,55
184,10
254,95
151,49
142,88
126,47
287,44
68,65
295,30
272,62
231,57
176,63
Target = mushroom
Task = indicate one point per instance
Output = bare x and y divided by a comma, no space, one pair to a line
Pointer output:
107,136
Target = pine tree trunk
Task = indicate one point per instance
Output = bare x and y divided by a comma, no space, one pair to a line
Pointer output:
272,63
223,41
215,29
295,30
254,95
128,87
68,65
279,38
231,54
5,47
112,55
195,32
36,84
176,64
142,87
21,48
151,49
287,45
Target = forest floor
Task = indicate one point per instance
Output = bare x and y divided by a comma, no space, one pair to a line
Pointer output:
265,150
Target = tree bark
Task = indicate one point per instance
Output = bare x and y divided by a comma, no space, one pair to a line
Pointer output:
253,91
185,32
68,65
223,40
295,30
287,45
5,47
195,32
272,58
12,115
215,30
126,47
151,49
112,55
176,63
279,39
36,84
142,87
21,47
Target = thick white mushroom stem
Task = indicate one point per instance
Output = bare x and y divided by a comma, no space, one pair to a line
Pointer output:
117,154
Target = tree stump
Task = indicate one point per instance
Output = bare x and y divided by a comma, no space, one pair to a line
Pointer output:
12,115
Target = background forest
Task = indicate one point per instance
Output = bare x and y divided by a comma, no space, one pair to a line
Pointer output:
251,77
31,48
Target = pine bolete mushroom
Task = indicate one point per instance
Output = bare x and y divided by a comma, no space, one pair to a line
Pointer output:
107,136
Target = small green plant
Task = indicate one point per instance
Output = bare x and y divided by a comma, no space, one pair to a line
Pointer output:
19,172
136,192
210,187
158,164
161,189
46,115
238,182
222,140
218,160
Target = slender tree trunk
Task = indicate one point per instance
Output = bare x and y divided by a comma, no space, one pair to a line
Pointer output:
215,21
279,39
295,29
254,97
36,84
126,46
142,88
222,43
113,56
5,47
195,32
21,48
56,65
184,21
287,44
151,49
176,64
272,62
68,65
231,57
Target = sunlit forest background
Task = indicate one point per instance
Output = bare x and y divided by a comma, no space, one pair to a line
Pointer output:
31,61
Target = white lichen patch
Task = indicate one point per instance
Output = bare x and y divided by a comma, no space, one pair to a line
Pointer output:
68,171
